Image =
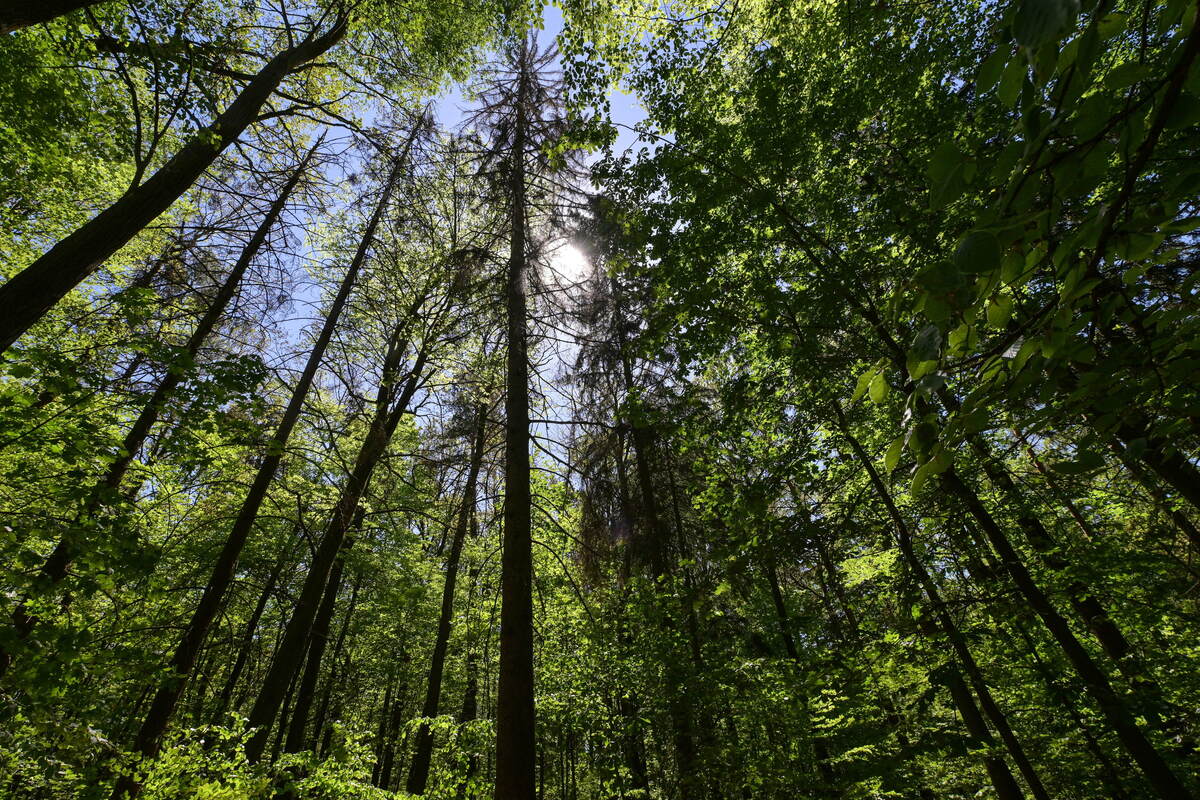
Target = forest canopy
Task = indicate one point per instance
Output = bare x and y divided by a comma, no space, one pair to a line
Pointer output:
647,400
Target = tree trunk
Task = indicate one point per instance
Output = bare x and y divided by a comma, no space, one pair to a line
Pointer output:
319,638
17,14
515,742
243,655
388,413
219,582
29,294
1167,463
1114,709
820,744
54,570
381,733
1001,777
392,729
334,674
418,773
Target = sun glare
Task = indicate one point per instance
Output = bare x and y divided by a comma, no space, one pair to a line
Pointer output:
569,264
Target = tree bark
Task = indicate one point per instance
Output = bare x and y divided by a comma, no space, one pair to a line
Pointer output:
1166,784
247,641
339,668
182,661
418,772
29,294
516,754
999,773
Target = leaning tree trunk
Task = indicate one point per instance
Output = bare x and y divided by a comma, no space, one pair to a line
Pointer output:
29,294
295,639
17,14
182,662
334,674
1115,710
516,749
54,569
999,773
319,638
418,772
247,639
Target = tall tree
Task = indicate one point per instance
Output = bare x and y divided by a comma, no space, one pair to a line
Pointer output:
32,292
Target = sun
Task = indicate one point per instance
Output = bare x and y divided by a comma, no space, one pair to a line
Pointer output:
568,264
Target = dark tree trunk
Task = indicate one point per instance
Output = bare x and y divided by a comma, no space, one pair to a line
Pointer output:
332,680
468,714
1181,520
17,14
219,582
392,717
319,638
285,713
54,570
1167,463
29,294
381,733
652,547
247,641
418,773
1114,709
999,773
395,718
516,753
388,412
820,744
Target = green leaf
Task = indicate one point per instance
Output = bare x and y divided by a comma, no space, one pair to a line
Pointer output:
864,382
934,466
991,70
999,310
1085,461
879,389
1111,25
892,457
1040,22
1125,75
1010,82
927,344
978,252
941,277
945,172
1185,113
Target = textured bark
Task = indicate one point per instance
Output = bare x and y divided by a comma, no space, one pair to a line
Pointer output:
418,772
516,753
29,294
163,706
17,14
388,412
